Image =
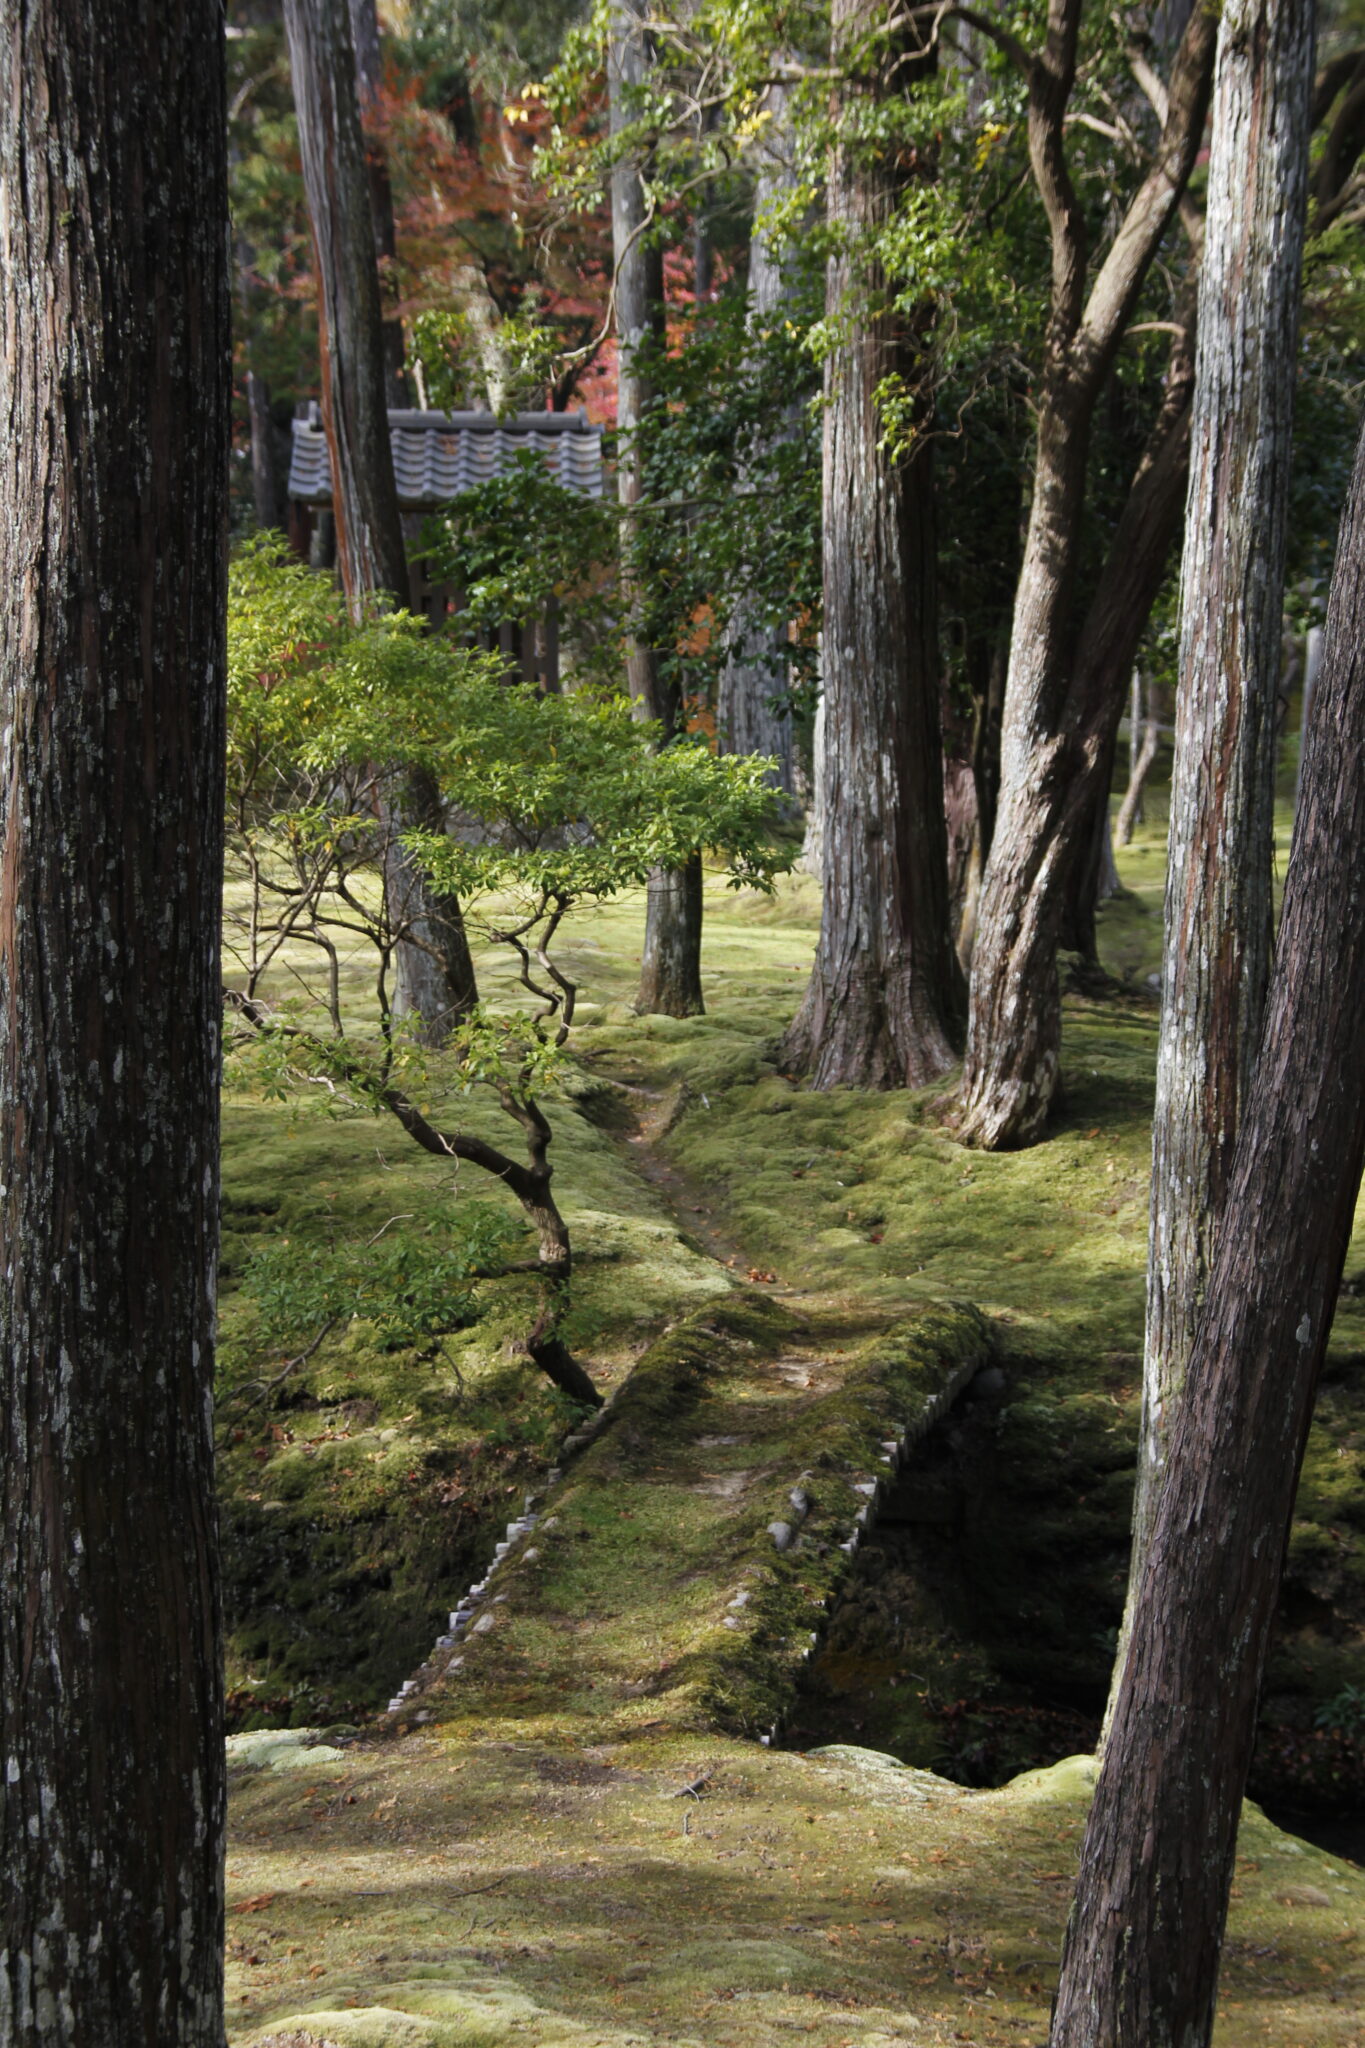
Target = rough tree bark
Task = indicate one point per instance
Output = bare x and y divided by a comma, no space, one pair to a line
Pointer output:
755,669
435,977
1218,877
1140,1965
370,551
369,73
115,387
883,1008
670,970
1060,707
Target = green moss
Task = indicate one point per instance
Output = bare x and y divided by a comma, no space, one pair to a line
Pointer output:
513,1888
362,1493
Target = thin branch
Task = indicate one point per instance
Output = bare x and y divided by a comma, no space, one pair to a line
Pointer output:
1133,248
267,1387
1021,58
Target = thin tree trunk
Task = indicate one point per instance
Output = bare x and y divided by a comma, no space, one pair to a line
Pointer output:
369,529
755,670
435,983
1218,878
1140,1965
988,693
885,1001
1312,664
670,979
369,72
264,488
1142,753
115,384
370,550
1059,707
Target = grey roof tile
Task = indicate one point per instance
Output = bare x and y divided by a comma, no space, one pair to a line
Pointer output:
436,455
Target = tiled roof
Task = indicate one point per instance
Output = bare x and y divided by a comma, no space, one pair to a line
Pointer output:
437,454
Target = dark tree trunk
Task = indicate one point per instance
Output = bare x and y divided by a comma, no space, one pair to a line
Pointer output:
1094,877
369,529
884,1005
264,482
114,363
1140,1966
1218,877
985,669
1061,699
755,671
369,72
670,980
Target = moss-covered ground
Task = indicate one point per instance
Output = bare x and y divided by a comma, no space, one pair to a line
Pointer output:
766,1291
458,1891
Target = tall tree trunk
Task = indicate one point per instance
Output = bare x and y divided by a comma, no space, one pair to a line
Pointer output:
369,73
1059,705
755,670
370,551
1218,875
115,383
670,977
884,1005
369,529
1140,1965
264,482
1043,829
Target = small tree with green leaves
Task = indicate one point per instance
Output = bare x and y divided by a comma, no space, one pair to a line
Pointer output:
553,803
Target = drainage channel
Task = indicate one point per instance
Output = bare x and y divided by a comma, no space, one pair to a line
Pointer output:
922,1655
971,1638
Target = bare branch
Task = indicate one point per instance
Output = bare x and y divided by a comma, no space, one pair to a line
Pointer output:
1152,84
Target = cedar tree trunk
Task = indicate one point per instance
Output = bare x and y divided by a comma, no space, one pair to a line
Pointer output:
370,551
1140,1965
115,374
369,530
369,75
884,1005
1060,703
670,972
1218,876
